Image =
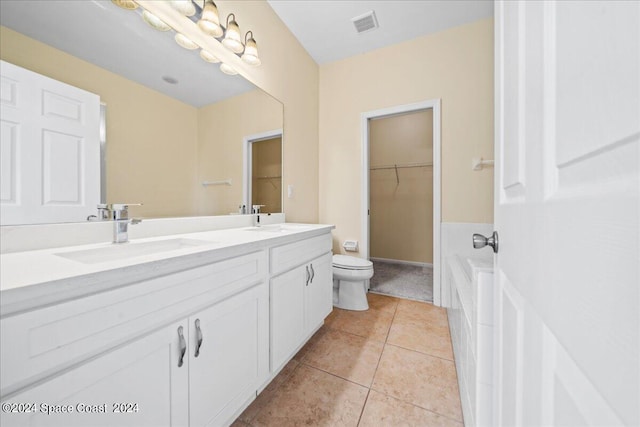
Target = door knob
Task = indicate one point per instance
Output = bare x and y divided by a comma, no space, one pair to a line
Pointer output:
479,241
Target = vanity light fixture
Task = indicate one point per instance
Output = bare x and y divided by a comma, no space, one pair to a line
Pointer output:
209,21
228,69
232,38
208,56
205,14
185,42
154,21
186,7
250,55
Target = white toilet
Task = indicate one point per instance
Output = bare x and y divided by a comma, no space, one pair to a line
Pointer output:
350,275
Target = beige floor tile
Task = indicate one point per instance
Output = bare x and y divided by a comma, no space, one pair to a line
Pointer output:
422,311
417,334
268,393
383,410
371,324
299,357
382,302
419,379
314,398
346,355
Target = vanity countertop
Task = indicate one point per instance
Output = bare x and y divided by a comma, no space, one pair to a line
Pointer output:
39,277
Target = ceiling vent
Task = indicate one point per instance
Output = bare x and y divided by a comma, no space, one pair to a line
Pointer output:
365,22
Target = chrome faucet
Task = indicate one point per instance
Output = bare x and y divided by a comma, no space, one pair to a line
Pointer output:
256,212
121,221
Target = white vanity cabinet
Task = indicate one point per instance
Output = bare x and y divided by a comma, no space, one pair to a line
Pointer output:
89,351
301,294
185,341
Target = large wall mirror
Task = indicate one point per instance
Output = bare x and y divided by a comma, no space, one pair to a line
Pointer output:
176,126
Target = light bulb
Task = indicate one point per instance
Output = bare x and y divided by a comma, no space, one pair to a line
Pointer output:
185,42
154,21
208,56
186,7
228,69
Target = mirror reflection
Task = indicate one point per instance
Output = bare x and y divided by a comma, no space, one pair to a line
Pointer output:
173,121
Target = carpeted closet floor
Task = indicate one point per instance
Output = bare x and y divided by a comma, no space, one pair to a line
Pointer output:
402,280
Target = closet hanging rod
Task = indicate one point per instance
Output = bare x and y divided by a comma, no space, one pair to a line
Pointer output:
408,165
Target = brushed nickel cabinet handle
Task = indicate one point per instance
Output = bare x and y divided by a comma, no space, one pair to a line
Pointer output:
199,335
183,346
313,273
308,276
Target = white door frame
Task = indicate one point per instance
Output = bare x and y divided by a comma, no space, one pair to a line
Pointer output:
247,162
391,111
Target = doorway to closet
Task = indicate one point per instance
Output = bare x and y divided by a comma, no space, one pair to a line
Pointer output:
403,200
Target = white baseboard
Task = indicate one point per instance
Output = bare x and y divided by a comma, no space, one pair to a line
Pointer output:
399,261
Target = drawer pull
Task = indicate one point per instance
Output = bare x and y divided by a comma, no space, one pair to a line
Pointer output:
183,346
308,276
313,273
199,335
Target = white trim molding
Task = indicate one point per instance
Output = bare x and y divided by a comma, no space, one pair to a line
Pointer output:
391,111
247,161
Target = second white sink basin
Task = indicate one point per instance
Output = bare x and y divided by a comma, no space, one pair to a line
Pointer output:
116,252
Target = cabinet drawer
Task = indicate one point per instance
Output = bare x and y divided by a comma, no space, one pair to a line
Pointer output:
288,256
38,343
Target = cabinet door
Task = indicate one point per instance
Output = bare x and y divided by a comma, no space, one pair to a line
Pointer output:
318,300
232,359
138,384
287,314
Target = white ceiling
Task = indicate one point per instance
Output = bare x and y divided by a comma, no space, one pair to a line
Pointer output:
325,29
120,41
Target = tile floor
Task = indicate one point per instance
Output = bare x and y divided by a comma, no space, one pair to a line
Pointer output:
389,366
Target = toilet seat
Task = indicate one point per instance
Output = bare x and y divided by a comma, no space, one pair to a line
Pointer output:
351,263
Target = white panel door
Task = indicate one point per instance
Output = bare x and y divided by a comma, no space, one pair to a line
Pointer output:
50,147
567,213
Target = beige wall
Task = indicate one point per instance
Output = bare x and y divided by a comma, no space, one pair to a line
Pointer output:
222,128
266,184
402,206
290,75
456,66
151,138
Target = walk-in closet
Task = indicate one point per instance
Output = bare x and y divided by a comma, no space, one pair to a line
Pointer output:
401,204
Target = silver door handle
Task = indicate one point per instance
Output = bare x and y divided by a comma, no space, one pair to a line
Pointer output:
308,276
183,346
199,337
313,273
479,241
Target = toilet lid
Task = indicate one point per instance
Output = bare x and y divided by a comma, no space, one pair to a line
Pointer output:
351,262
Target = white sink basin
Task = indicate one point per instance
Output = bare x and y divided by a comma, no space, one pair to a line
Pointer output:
279,228
116,252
